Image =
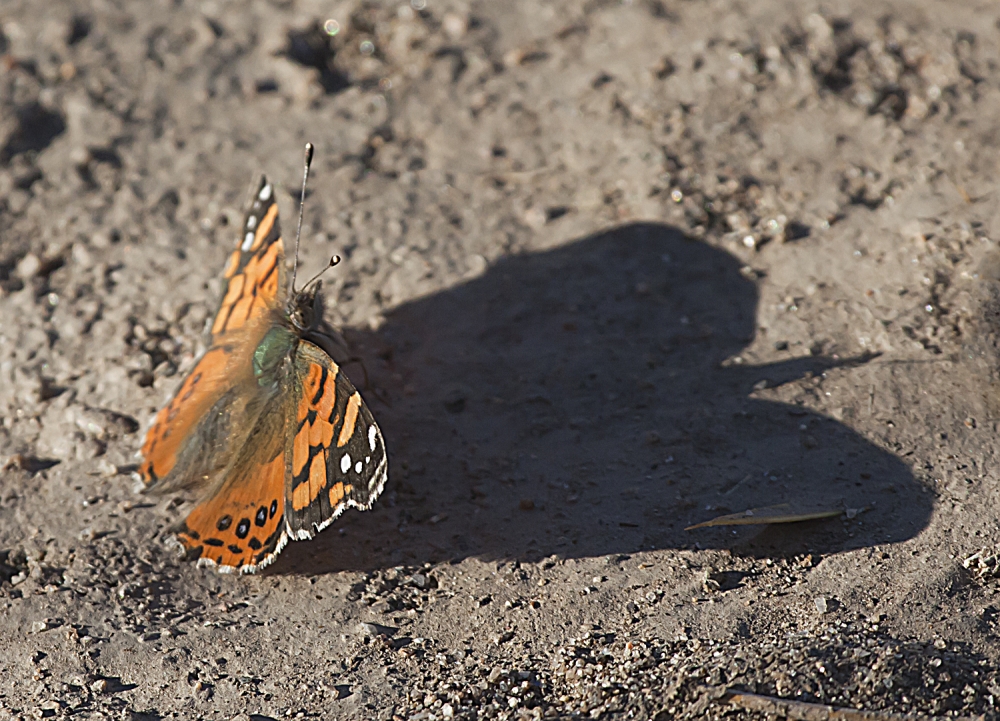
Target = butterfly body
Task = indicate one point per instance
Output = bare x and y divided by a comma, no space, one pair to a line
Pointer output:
265,426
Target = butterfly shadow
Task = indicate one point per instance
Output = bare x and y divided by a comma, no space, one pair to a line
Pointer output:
587,401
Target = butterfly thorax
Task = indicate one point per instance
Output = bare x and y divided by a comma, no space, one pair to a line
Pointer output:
271,353
302,317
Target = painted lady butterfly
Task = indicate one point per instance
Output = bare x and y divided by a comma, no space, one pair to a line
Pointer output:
266,425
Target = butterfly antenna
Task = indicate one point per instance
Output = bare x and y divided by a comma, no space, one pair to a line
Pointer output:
333,261
302,205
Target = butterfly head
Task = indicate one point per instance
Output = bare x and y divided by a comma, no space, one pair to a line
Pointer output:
305,310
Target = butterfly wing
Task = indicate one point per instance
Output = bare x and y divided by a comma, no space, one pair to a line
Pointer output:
188,442
207,382
241,526
314,451
255,273
336,456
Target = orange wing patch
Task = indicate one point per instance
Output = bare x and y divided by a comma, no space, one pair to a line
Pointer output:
337,492
241,527
233,264
206,381
350,419
252,292
317,419
264,227
254,270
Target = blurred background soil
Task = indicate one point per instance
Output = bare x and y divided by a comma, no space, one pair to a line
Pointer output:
613,269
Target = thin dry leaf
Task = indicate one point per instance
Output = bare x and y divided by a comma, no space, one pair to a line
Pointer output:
769,514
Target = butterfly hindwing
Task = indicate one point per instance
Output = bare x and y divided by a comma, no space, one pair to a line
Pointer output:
336,454
241,525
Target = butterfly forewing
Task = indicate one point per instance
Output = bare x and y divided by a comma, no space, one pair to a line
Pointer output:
254,283
255,273
337,457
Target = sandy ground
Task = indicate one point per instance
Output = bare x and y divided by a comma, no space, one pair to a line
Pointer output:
613,269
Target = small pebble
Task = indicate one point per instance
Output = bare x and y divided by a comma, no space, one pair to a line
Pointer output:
535,218
28,266
455,26
376,629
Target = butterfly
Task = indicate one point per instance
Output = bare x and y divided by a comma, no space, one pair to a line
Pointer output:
266,426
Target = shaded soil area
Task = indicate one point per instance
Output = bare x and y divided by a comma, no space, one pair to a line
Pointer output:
610,270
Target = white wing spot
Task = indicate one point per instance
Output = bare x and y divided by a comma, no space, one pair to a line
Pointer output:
367,459
247,242
371,438
265,193
357,467
251,222
345,463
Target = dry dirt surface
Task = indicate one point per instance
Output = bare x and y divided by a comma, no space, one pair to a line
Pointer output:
612,269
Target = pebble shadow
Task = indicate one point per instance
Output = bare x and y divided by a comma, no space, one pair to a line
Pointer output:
577,403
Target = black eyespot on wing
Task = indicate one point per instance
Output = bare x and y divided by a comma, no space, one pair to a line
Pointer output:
255,544
213,542
223,523
274,508
243,528
261,518
234,548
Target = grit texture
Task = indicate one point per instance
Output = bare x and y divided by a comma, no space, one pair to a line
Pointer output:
611,269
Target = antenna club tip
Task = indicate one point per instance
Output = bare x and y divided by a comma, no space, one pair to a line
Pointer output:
334,260
309,153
